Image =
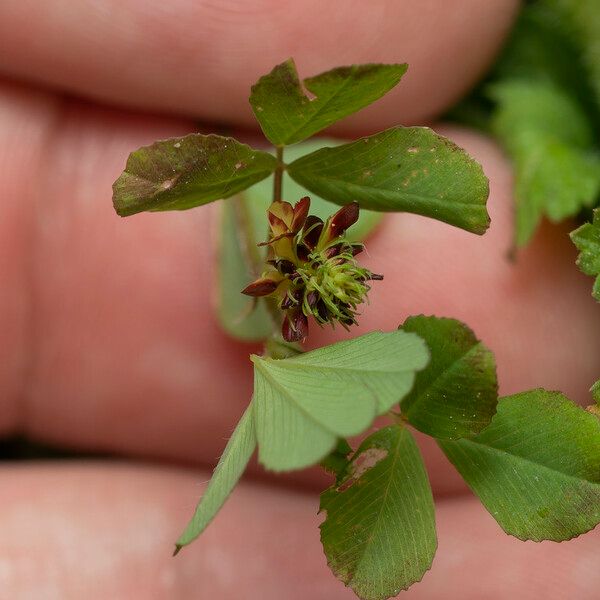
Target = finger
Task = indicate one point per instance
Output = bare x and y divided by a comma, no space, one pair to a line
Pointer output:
105,531
200,58
127,354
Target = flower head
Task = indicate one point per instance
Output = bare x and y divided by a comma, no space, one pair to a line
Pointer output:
312,269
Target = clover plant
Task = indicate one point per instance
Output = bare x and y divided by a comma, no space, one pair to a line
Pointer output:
533,458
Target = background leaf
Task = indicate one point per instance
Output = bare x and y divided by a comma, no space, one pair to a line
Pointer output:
587,240
305,403
536,468
235,269
379,535
582,19
401,169
456,394
227,473
239,316
596,392
287,114
180,173
550,141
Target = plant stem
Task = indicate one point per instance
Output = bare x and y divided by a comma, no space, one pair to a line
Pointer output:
278,175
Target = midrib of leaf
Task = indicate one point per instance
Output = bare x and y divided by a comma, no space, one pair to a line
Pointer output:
299,365
286,393
500,451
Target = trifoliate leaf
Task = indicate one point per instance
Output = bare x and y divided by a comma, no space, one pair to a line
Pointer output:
289,111
401,169
379,535
550,140
456,394
305,403
536,468
240,260
229,469
587,240
184,172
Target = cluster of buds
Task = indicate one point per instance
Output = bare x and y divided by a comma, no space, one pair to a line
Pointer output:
311,268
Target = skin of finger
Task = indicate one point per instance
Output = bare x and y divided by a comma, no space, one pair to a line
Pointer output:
102,530
200,58
127,355
25,120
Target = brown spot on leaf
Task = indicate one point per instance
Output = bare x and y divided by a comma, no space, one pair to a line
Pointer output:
366,461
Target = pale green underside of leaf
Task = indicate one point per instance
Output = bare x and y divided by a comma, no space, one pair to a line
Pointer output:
379,535
238,315
288,115
550,141
184,172
536,468
456,394
401,169
587,240
235,272
229,469
305,403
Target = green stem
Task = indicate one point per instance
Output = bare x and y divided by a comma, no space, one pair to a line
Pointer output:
278,174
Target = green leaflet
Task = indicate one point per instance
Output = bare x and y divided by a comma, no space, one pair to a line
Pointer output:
189,171
587,240
408,169
379,534
550,141
536,468
305,403
456,394
227,473
287,114
235,269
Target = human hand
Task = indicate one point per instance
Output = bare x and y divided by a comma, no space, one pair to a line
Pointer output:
107,325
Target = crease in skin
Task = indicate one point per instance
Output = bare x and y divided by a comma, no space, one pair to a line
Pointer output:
43,110
53,128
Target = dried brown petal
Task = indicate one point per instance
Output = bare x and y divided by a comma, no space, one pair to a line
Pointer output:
283,211
300,213
277,225
261,287
342,219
